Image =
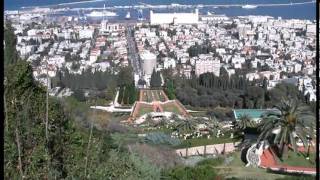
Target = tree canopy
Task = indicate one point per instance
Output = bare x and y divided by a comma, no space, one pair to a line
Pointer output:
10,53
291,122
155,79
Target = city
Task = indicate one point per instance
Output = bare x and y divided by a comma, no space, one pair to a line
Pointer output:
186,94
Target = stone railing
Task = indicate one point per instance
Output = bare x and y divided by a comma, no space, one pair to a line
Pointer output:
207,150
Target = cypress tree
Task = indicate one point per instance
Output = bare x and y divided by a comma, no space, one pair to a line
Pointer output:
155,80
265,84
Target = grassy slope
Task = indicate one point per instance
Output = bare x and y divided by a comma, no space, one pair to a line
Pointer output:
237,169
171,108
298,159
143,109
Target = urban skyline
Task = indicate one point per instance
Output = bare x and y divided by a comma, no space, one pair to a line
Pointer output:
172,91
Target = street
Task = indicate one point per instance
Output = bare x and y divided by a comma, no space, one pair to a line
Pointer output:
134,58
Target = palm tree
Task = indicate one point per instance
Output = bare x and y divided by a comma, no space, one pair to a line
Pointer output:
148,120
174,117
186,126
241,125
212,125
289,122
244,122
161,122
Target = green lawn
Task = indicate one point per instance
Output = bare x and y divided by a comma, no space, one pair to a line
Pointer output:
144,109
204,141
152,95
236,169
149,96
156,95
146,96
171,108
202,114
161,129
162,97
298,159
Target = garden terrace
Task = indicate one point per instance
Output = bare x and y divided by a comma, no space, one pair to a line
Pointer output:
171,106
144,109
156,101
152,95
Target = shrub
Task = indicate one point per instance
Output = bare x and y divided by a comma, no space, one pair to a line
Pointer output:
212,162
165,157
202,172
161,138
116,127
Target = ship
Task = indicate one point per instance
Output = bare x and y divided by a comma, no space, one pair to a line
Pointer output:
175,4
128,16
200,6
248,6
101,13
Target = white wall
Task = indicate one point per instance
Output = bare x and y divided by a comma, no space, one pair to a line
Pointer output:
178,18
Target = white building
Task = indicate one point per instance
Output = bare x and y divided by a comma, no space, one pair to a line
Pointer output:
32,32
176,18
311,29
149,62
109,27
102,66
207,65
169,63
26,50
103,25
57,60
214,17
86,33
94,54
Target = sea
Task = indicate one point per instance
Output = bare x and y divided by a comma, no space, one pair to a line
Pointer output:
301,11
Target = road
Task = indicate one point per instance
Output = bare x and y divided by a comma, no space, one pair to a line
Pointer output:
134,58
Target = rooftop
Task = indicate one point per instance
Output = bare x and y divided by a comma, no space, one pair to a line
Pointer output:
252,113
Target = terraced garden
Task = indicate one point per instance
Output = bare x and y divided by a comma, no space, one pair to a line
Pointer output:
171,107
153,95
143,109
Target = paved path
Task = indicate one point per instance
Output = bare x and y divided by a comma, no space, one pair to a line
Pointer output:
111,109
